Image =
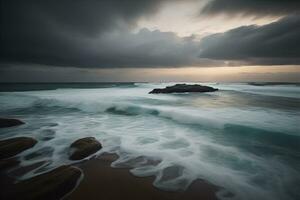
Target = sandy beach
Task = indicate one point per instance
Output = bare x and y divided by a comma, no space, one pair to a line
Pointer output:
104,182
101,181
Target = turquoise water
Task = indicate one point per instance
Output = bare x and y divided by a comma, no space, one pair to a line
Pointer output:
243,138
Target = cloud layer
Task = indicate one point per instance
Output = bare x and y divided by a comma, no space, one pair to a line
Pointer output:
90,34
98,34
273,44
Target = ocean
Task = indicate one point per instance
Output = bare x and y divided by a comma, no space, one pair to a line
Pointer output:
244,138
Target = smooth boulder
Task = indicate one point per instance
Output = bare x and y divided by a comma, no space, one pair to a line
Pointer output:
51,185
84,147
182,88
14,146
5,122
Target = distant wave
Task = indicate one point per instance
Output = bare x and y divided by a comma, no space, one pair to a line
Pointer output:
18,87
273,83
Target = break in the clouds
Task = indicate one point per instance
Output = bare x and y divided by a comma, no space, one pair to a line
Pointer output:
104,34
273,44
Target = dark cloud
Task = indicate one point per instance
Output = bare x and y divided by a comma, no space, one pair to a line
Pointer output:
90,33
94,33
252,7
145,49
89,17
273,44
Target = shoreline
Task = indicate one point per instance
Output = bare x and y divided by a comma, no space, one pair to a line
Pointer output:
101,181
86,179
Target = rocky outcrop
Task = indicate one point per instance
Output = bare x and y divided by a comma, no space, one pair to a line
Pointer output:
182,88
84,147
51,185
14,146
5,122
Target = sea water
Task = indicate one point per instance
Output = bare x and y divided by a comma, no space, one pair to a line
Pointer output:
243,138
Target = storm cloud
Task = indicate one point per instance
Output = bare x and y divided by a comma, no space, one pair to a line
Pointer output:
252,7
89,34
99,34
272,44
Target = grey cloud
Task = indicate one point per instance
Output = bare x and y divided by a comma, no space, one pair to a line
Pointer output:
90,33
252,7
276,43
96,34
120,49
89,17
148,49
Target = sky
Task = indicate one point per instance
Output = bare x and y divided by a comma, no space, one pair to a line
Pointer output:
150,40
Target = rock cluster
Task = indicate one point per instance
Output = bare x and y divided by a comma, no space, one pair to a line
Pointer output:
182,88
50,185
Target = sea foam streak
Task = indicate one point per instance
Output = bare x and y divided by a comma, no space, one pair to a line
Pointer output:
242,138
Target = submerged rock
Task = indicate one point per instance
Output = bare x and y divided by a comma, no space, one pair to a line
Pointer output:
84,147
51,185
5,122
14,146
181,88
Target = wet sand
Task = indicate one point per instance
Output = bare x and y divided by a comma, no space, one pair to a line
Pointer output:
100,181
104,182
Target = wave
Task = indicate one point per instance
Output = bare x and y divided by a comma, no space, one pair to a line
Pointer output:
273,83
252,152
222,119
21,87
231,129
287,90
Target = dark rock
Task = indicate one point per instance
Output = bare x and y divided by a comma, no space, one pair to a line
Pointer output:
84,147
182,88
51,185
4,122
14,146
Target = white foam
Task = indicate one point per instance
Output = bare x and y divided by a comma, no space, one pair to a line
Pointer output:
168,136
